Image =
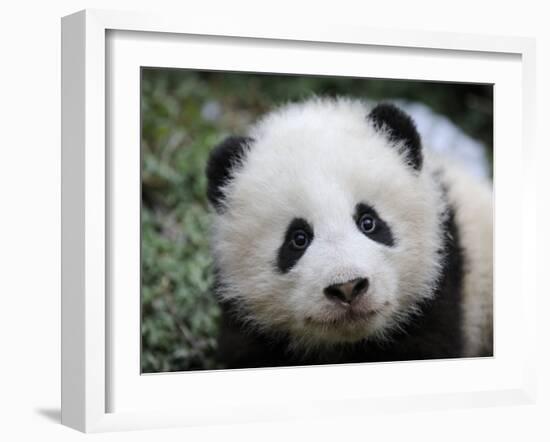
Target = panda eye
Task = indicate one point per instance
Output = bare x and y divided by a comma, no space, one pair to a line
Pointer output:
374,227
298,237
299,240
367,223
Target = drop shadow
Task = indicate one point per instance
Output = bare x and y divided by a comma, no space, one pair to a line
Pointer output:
51,414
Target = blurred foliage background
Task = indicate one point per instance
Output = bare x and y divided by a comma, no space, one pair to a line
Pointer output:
184,114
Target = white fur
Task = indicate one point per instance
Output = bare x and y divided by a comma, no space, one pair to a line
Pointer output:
317,160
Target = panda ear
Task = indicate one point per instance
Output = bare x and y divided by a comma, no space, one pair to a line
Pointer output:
223,160
399,127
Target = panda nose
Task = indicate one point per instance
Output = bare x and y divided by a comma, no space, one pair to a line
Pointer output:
347,292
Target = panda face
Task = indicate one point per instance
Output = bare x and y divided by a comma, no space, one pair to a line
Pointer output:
327,229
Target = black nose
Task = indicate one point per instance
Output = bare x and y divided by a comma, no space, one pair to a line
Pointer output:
348,291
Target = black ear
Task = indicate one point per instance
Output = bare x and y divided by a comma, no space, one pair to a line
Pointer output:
222,162
399,127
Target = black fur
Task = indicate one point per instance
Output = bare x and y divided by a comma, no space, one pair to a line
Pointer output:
400,127
287,256
223,159
382,233
434,334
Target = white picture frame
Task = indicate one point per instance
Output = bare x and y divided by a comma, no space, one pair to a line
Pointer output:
93,367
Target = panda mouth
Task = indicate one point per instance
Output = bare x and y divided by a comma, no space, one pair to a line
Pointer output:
350,317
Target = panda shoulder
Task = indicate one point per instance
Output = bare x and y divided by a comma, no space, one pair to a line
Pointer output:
472,200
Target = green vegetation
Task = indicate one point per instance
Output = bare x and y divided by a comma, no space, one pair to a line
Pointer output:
186,113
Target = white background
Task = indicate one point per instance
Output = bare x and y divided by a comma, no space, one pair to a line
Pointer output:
30,218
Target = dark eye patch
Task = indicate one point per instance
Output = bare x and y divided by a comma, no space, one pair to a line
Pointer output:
381,232
298,238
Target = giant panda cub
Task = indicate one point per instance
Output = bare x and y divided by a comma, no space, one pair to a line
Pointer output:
338,238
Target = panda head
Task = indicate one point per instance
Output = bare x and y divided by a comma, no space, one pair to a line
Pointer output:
328,222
